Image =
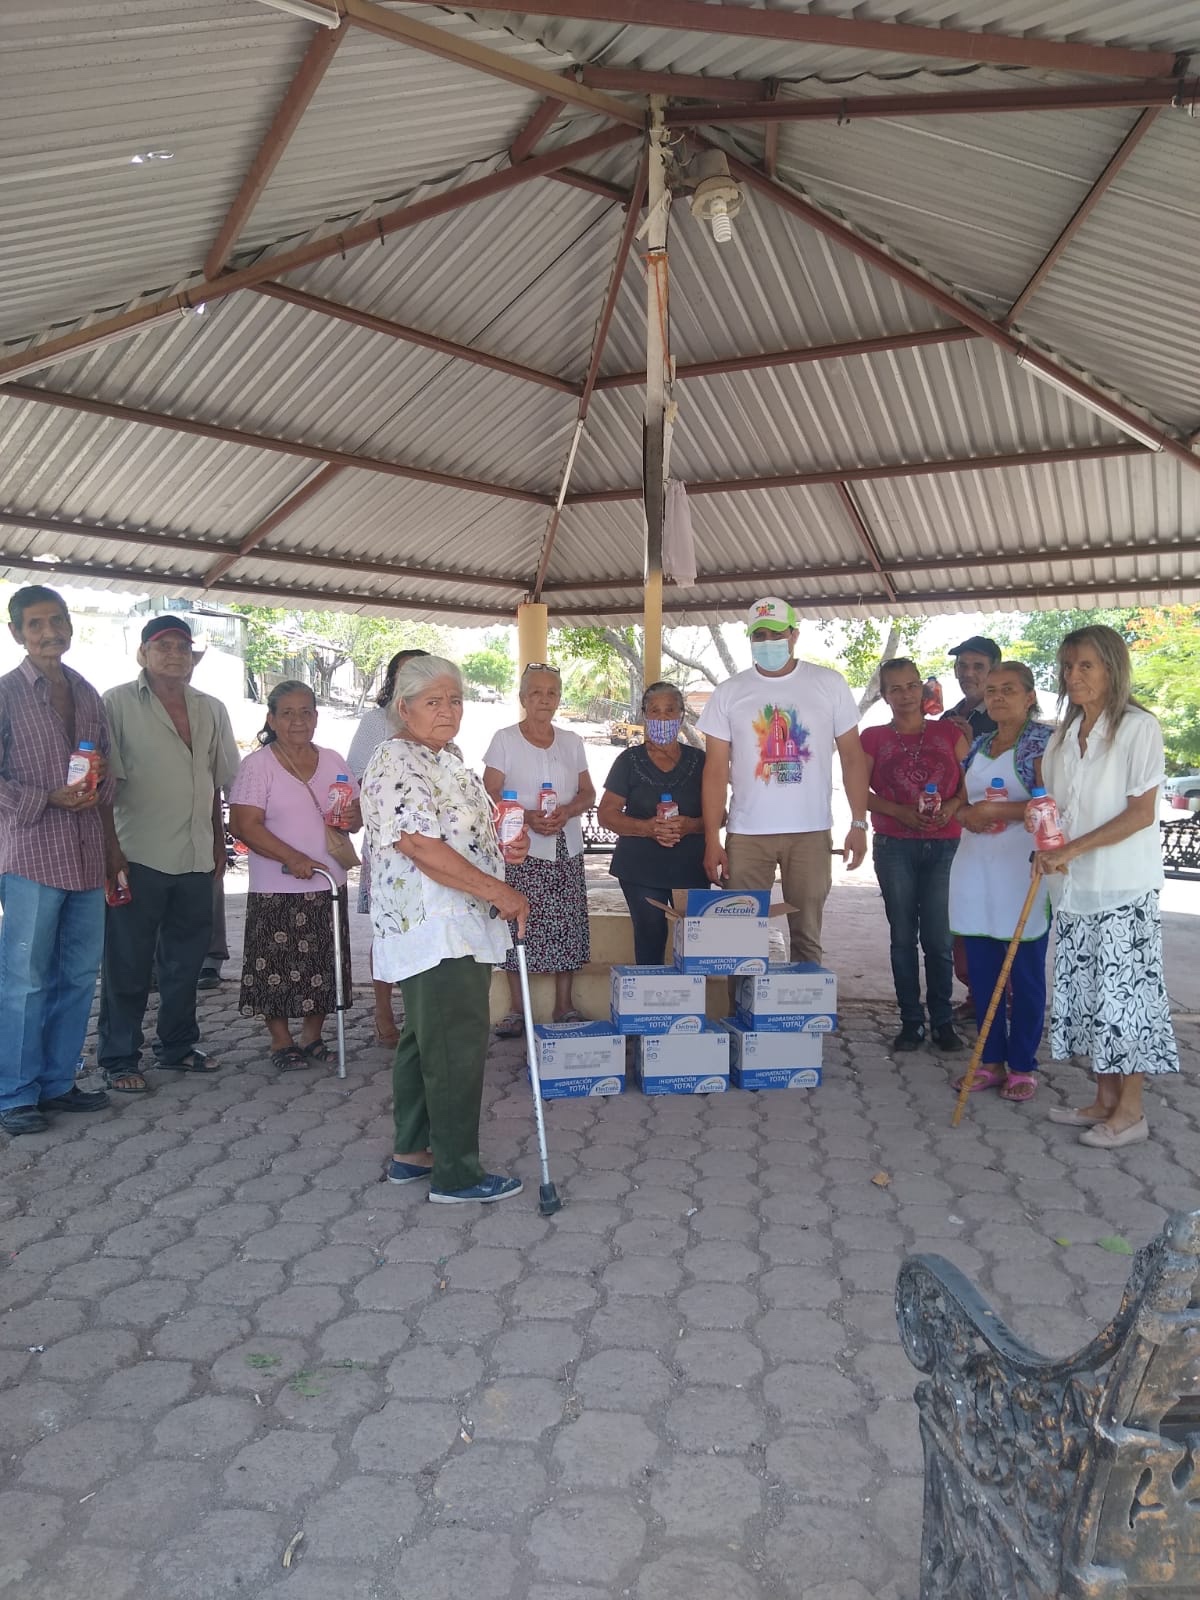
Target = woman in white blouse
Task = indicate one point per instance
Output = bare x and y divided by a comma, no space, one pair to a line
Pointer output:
526,757
438,871
1104,767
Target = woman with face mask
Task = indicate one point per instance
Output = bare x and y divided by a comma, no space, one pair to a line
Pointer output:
655,854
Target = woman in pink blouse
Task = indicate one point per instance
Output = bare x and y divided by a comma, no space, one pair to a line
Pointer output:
277,807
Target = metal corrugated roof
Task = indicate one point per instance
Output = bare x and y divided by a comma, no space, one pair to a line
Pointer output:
973,202
1145,24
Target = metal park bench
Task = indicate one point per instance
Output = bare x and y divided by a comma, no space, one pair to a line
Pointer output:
1181,844
1074,1479
597,841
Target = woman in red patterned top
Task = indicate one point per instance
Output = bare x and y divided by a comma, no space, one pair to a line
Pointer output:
916,835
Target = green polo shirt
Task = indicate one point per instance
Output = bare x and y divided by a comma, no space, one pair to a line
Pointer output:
165,792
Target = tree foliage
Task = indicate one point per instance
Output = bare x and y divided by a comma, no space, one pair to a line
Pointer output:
492,664
1041,632
266,644
1166,677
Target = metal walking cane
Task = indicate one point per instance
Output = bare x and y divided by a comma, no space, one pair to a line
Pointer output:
548,1201
338,985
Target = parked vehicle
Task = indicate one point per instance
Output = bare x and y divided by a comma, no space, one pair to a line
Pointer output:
1183,792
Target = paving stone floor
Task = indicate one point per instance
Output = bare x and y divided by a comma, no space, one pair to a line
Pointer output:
220,1331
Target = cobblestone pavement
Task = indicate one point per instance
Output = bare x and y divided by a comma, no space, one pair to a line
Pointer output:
220,1331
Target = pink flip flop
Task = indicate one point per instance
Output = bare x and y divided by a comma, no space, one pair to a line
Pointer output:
986,1077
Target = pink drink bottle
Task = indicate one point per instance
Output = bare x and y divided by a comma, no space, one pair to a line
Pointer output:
929,801
510,820
1042,820
997,790
547,800
340,797
667,810
83,769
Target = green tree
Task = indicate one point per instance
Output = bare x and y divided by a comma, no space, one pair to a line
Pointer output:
863,646
491,665
1041,632
366,642
266,644
1166,677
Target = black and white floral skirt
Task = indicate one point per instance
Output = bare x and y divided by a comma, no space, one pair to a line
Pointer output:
287,961
556,931
1110,995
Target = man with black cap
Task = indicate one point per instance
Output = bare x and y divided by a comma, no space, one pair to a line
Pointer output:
771,734
974,658
172,753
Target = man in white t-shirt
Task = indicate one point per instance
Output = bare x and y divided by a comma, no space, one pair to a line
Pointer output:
771,733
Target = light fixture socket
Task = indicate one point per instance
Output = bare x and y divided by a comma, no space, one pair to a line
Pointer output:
716,198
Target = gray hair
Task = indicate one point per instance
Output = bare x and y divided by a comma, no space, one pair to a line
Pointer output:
416,674
663,687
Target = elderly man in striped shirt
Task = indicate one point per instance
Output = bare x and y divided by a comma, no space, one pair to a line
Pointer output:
52,867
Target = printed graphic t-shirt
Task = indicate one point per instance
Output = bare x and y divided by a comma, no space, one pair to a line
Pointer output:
781,733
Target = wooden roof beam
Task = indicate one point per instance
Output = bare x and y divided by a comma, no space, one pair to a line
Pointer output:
127,323
263,441
284,123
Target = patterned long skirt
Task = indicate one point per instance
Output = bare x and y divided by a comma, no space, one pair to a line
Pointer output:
1110,996
287,962
556,931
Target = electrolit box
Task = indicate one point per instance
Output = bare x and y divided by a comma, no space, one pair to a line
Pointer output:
722,931
657,1000
579,1058
678,1063
765,1060
790,997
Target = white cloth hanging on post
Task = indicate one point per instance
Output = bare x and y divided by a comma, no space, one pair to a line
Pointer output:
679,545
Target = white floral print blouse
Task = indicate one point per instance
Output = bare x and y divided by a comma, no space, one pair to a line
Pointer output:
418,923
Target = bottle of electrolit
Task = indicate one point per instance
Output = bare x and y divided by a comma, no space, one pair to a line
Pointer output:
83,769
929,801
547,800
1042,820
931,698
667,810
997,790
510,820
340,796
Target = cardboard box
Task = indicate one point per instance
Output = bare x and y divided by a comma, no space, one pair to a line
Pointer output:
791,997
722,931
579,1058
676,1063
765,1060
657,1000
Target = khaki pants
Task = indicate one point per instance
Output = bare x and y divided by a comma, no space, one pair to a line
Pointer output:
805,862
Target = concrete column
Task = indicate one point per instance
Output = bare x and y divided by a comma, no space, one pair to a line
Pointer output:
532,634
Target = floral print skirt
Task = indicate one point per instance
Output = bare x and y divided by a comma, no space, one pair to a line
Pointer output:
364,878
1110,996
287,963
556,932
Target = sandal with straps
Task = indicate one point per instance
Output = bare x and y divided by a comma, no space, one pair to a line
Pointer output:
987,1076
1019,1087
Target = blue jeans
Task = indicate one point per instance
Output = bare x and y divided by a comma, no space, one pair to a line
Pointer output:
50,944
914,879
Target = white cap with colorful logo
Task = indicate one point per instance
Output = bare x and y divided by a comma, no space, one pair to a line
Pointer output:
771,613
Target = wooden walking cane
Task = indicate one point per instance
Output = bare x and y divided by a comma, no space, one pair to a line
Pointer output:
1036,883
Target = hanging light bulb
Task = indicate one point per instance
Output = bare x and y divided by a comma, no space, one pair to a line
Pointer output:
717,198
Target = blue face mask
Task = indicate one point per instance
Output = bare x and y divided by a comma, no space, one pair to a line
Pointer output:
771,654
662,730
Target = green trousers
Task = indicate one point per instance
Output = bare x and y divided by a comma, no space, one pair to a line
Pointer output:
437,1076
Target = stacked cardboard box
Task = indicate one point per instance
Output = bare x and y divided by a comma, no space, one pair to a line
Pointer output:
778,1030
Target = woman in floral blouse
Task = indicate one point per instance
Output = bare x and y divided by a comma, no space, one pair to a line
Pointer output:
440,909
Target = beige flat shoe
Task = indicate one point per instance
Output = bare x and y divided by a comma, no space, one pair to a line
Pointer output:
1072,1116
1102,1137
